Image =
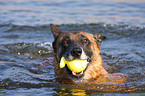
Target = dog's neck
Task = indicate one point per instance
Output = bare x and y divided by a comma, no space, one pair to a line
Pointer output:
95,65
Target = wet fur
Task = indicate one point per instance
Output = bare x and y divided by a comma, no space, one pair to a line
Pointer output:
95,73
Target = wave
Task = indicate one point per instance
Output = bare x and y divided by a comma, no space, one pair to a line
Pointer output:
12,27
27,49
91,27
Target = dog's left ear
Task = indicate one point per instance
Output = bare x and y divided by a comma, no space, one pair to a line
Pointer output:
55,30
99,37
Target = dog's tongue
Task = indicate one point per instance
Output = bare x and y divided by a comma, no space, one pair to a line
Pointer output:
77,66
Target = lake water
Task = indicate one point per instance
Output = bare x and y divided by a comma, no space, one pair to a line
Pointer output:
25,44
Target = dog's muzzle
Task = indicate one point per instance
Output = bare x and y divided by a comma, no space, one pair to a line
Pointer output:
76,52
75,61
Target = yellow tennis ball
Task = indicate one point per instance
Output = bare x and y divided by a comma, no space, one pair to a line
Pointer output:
75,66
62,62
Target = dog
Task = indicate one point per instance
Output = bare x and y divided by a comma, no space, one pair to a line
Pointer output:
83,46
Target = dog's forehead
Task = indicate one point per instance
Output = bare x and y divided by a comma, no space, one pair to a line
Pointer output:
84,34
76,35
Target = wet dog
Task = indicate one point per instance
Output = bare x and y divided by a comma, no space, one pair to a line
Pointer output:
83,46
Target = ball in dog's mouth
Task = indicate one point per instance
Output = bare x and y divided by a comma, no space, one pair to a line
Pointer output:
77,66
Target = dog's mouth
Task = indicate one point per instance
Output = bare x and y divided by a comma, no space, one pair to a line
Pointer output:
74,74
77,74
75,68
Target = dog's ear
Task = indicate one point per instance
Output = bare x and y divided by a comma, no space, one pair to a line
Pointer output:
99,37
55,30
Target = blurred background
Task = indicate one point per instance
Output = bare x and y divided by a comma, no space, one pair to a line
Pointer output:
39,12
26,54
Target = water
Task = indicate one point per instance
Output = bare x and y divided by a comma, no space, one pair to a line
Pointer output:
25,44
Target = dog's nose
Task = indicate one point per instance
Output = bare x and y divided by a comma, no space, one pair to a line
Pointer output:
76,52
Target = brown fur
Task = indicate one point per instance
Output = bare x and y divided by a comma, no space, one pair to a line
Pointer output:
95,73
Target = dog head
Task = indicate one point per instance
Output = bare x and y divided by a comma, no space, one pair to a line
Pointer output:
75,45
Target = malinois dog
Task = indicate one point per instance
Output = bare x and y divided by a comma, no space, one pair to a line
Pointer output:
83,46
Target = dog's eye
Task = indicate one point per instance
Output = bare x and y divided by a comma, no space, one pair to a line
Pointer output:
66,41
84,40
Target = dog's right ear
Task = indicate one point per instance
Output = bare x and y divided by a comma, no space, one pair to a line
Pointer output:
55,30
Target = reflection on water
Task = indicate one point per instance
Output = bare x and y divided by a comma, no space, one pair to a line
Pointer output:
74,92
